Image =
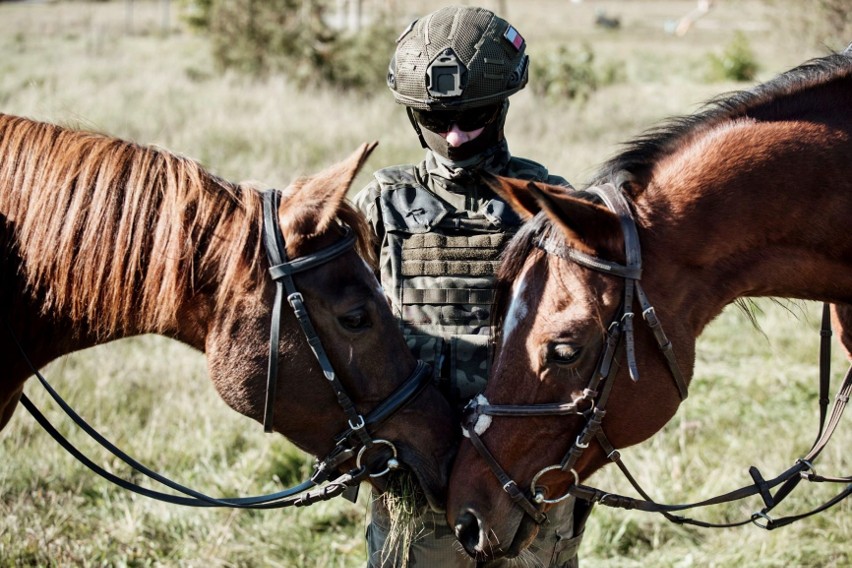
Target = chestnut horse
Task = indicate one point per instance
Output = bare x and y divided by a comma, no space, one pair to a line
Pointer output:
749,197
103,239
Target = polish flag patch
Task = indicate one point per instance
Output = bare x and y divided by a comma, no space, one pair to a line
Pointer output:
513,37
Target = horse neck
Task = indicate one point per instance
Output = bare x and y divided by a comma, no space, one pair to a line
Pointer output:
113,239
750,209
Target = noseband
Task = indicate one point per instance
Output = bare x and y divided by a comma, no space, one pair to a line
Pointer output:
592,404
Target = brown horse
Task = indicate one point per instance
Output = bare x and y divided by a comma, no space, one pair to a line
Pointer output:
750,197
102,239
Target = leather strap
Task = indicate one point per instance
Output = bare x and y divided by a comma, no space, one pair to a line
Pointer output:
509,486
282,270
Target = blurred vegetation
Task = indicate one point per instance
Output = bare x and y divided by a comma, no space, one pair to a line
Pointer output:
293,37
568,73
196,13
819,24
736,63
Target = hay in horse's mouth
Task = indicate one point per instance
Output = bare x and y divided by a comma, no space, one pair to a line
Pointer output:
405,502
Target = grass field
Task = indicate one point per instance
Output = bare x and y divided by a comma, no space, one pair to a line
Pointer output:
129,70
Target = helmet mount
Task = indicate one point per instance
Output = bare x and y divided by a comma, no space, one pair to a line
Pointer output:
445,75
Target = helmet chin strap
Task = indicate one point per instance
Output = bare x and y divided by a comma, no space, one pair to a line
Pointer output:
469,153
416,126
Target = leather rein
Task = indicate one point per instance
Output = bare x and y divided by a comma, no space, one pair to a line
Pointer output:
592,404
352,443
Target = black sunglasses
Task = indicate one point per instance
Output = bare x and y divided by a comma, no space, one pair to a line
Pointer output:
467,120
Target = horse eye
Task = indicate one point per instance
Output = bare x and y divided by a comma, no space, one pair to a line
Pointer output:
563,353
355,320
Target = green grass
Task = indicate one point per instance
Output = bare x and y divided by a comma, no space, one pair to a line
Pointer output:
85,64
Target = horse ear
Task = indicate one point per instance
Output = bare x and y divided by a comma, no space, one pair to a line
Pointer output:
311,203
588,226
515,192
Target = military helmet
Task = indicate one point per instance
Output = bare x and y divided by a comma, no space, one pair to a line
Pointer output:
456,58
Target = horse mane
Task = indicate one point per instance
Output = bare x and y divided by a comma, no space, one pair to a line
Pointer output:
773,100
120,236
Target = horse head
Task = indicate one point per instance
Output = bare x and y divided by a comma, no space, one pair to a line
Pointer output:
350,315
118,239
724,204
557,321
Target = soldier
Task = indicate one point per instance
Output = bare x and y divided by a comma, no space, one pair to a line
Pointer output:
440,232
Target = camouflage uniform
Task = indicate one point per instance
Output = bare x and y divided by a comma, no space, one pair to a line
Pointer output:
440,236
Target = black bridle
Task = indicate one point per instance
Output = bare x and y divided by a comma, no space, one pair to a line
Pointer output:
352,443
592,404
356,439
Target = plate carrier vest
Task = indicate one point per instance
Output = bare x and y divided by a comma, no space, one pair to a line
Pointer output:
439,268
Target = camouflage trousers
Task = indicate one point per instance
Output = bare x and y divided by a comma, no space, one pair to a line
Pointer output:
436,546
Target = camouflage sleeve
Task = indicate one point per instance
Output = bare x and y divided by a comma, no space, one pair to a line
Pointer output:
367,202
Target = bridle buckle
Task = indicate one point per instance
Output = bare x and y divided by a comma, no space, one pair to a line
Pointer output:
358,425
295,299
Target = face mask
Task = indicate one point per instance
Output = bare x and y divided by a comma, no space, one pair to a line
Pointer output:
490,136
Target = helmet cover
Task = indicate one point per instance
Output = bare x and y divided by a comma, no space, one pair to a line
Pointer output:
457,58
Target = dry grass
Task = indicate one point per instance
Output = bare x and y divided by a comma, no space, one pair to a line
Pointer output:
90,65
403,500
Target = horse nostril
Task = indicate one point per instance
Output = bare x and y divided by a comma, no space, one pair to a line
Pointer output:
467,532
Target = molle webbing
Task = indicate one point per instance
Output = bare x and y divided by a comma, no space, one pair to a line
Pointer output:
447,282
411,296
436,255
445,294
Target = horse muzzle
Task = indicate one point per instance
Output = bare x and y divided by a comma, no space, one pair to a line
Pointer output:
483,542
